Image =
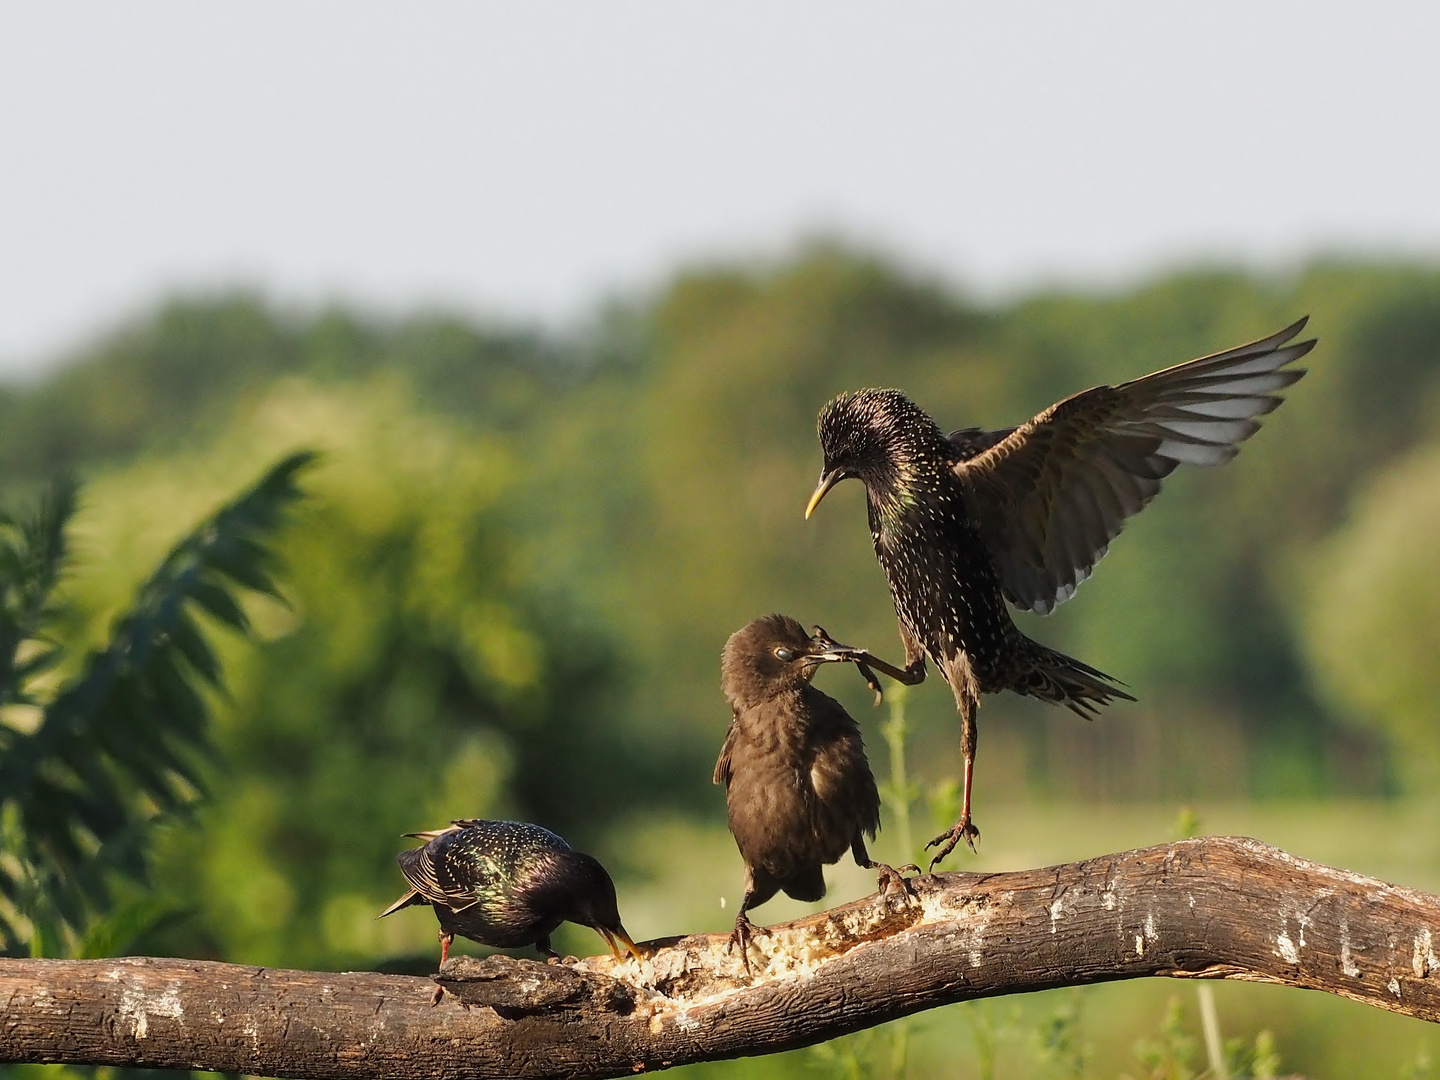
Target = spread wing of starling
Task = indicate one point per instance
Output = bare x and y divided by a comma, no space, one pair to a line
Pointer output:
1049,496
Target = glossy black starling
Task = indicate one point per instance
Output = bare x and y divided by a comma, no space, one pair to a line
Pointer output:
964,522
508,884
798,788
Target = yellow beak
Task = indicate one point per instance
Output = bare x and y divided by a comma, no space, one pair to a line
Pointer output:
610,937
827,481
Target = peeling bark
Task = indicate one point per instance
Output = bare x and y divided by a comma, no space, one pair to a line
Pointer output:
1220,907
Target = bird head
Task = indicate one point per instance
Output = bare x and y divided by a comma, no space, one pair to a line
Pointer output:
771,655
587,896
880,436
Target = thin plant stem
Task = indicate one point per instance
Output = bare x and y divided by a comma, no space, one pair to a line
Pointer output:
897,791
899,795
1210,1025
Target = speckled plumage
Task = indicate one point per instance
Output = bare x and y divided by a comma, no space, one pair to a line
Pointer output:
963,523
508,884
798,789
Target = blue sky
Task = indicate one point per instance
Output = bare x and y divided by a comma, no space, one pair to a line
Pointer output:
528,160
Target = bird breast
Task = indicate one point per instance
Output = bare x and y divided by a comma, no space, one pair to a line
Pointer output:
799,792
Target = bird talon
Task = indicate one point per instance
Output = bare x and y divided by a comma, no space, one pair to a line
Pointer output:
743,932
946,841
891,879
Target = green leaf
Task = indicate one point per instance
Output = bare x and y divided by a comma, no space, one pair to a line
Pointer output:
123,741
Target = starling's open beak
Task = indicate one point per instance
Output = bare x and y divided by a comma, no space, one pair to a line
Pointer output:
827,481
610,937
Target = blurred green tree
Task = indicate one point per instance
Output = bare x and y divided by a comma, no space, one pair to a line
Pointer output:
1373,626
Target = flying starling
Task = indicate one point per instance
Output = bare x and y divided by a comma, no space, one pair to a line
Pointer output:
965,522
508,884
798,788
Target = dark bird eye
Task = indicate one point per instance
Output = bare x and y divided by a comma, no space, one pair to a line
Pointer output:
785,654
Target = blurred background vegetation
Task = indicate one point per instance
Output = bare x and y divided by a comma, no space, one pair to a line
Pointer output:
521,553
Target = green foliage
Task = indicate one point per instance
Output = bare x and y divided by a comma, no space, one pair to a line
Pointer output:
1170,1056
1373,629
118,744
32,555
1421,1067
1060,1042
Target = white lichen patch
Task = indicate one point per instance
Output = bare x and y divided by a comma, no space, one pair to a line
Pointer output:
1347,960
168,1003
1393,986
136,1007
1285,948
1148,932
1057,911
1422,956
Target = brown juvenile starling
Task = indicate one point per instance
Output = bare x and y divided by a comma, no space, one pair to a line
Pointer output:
964,522
798,788
508,884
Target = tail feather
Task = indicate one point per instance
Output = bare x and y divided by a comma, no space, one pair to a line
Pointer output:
411,897
1063,680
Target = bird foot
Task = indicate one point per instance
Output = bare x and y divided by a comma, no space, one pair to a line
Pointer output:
964,829
822,638
439,993
744,930
891,880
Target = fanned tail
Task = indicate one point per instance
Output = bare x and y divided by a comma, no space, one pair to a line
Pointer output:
1063,680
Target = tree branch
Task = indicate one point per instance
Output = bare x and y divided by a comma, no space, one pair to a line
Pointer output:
1220,907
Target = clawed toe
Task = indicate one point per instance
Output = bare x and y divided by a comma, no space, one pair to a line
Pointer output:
892,879
946,841
744,930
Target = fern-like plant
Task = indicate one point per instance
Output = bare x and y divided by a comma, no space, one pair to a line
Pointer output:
102,756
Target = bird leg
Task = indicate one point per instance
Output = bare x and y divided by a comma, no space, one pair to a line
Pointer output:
890,878
964,829
912,674
543,947
864,661
445,939
744,928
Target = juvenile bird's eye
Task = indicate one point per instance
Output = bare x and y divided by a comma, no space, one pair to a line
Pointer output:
785,654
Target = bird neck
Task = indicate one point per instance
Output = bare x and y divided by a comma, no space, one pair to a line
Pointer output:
792,701
561,888
901,486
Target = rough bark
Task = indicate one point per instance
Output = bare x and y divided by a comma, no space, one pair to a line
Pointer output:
1220,907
